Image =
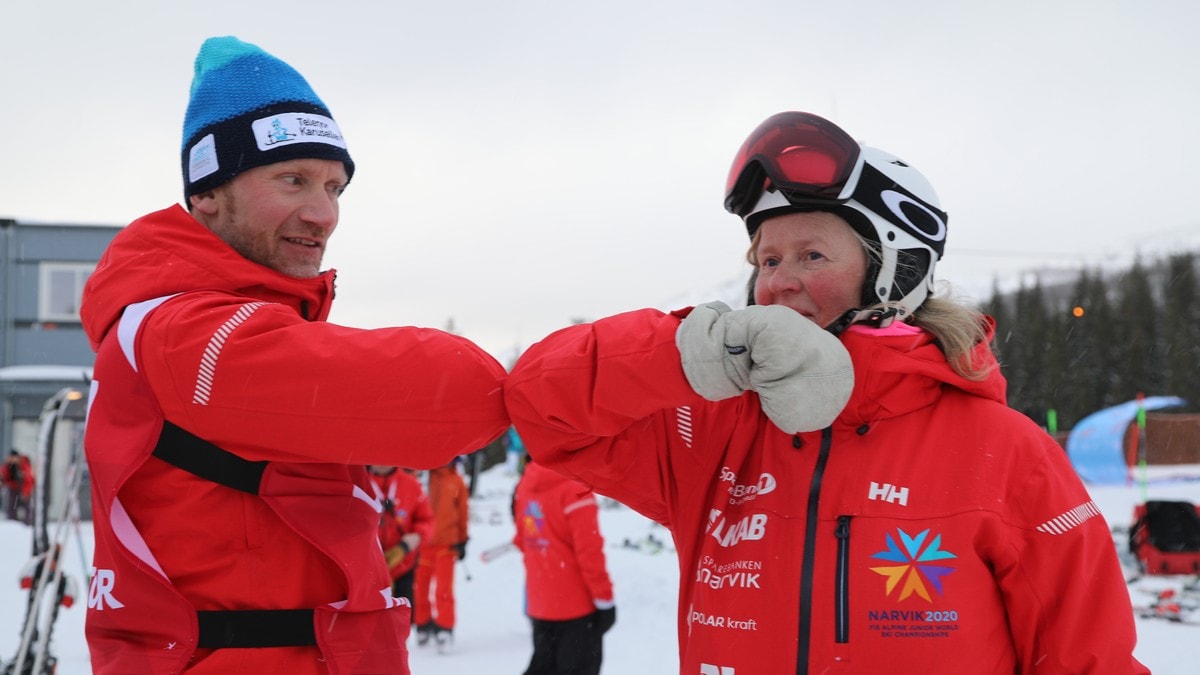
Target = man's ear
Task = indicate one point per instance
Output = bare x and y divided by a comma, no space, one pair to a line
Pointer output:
205,203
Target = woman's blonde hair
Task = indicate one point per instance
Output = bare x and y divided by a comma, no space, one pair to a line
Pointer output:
957,328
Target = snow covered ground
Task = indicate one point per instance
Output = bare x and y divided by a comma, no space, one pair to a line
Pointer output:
493,635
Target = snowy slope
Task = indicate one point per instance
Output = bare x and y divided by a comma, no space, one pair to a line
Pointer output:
493,635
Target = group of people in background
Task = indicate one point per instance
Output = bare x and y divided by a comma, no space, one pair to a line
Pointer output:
423,531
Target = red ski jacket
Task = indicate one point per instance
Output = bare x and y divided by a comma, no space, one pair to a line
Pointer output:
17,476
929,528
405,510
558,531
189,332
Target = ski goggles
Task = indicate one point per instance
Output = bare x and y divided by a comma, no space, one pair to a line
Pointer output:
809,160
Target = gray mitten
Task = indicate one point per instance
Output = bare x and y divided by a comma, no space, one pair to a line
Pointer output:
801,372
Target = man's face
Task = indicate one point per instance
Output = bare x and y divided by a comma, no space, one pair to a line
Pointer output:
279,215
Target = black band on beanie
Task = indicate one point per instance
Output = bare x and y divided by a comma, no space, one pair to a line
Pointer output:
235,147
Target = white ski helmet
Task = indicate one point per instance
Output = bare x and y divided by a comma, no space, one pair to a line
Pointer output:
800,162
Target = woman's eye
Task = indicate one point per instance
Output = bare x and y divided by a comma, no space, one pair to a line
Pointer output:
813,256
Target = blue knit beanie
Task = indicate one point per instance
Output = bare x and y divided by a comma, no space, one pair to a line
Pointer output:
248,109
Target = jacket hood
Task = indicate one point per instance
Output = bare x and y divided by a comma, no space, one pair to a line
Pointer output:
538,480
169,252
896,374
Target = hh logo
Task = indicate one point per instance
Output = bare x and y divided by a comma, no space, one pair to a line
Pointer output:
709,669
101,590
888,493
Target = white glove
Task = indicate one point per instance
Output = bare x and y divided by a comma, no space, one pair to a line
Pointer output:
801,372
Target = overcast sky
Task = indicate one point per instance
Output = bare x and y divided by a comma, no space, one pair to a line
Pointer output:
521,164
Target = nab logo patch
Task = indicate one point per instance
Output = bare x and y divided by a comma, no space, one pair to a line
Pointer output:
709,669
750,528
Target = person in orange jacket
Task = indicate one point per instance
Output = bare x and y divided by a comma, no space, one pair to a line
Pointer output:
568,593
406,521
18,486
433,609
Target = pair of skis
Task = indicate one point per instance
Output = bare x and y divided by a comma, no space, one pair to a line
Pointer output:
1182,607
49,587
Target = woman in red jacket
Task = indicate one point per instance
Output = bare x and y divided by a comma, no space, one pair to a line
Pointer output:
569,596
847,490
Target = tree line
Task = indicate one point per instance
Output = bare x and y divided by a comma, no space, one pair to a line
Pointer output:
1078,348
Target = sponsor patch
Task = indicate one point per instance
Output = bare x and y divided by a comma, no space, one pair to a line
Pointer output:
283,129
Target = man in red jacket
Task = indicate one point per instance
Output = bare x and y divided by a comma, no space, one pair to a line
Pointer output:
405,523
230,423
569,596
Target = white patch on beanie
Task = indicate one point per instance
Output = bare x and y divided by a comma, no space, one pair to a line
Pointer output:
202,159
283,129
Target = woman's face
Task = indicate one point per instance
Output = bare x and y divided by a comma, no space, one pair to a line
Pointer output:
812,262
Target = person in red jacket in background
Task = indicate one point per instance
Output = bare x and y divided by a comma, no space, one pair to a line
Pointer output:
18,487
569,596
433,609
406,522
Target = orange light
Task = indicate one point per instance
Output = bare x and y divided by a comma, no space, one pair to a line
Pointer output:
1077,311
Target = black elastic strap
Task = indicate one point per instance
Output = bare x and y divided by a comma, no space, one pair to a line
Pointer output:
185,450
246,628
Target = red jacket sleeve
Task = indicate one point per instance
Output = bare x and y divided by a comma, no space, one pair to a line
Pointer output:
1064,592
589,402
276,387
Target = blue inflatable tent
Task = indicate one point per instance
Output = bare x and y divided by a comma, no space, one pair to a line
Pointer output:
1095,445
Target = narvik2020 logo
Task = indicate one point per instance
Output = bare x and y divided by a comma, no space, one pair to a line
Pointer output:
920,564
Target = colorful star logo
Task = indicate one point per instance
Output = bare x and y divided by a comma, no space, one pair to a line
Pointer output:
914,572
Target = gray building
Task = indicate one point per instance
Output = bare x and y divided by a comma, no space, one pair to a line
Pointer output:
43,348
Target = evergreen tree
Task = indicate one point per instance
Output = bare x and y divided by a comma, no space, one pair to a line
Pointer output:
1181,329
1135,349
997,308
1028,367
1088,378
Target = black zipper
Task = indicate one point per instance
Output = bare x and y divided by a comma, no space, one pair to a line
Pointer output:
806,569
841,597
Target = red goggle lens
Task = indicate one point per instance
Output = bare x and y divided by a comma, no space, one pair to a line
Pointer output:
803,155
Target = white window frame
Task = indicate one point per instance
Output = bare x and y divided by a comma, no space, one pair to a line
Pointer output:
48,270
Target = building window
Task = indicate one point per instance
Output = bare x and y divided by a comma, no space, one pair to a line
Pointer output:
61,289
